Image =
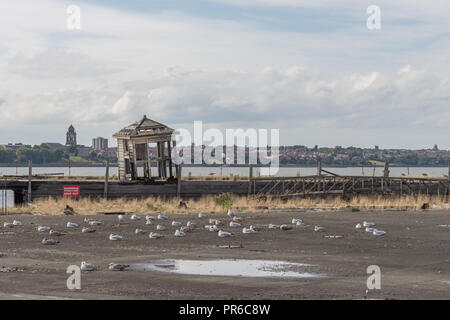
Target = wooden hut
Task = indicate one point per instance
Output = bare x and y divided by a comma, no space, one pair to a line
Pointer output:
133,147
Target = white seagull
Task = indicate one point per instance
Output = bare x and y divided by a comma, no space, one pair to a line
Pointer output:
359,226
202,215
273,226
160,227
87,230
49,241
139,231
235,224
8,225
43,229
295,220
147,217
162,217
191,224
17,223
224,234
368,224
378,232
370,230
115,237
319,229
231,213
95,223
179,233
87,266
148,221
248,231
72,225
135,217
121,217
176,224
154,235
299,223
237,219
55,233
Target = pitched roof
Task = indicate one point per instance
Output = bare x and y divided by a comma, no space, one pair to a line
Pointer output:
144,127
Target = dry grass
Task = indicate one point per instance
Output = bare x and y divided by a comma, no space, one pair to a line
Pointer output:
87,206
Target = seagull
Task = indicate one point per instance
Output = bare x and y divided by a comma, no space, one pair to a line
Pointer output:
368,224
115,237
154,235
87,230
237,219
176,224
117,267
139,231
202,215
160,227
72,225
179,233
218,223
49,241
299,223
135,217
273,226
235,224
87,266
248,230
162,217
191,224
185,229
17,223
359,226
8,225
295,220
319,229
224,234
285,227
255,228
231,213
95,223
120,217
371,230
212,221
149,221
149,217
55,233
213,228
87,220
378,232
43,229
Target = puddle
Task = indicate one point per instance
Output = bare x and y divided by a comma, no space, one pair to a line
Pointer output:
230,267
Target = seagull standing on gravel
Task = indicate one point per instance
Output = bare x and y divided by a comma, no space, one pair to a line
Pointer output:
179,233
154,235
115,237
148,221
202,215
121,218
72,225
117,266
368,224
191,224
248,231
223,234
135,217
299,223
319,229
295,220
359,226
160,227
87,230
8,225
176,224
231,213
43,229
87,266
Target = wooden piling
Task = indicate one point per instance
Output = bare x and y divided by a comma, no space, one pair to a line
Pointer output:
250,179
30,173
105,190
179,171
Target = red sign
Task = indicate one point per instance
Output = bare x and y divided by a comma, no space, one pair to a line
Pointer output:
71,191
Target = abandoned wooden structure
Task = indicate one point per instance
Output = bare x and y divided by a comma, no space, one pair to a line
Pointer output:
133,146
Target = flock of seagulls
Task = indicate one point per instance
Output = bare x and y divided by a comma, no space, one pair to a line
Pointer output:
214,225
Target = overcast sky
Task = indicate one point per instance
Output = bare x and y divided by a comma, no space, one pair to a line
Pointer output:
309,68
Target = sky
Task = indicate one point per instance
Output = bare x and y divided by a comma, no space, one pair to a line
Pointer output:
311,69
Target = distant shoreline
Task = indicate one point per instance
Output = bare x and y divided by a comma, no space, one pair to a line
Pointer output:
102,165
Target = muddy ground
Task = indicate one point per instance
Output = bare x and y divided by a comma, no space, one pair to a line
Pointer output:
414,257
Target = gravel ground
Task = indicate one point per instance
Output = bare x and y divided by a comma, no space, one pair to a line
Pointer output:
414,257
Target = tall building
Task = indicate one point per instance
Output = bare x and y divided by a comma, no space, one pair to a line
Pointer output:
71,136
100,144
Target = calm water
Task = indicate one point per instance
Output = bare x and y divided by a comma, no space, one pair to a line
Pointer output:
229,267
241,171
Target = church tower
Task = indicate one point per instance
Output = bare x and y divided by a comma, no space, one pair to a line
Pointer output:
71,137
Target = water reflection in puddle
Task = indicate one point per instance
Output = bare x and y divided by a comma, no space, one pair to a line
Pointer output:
230,267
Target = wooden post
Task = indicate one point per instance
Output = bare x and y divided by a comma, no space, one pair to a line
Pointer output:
401,187
169,150
319,174
105,191
30,173
386,170
250,178
179,171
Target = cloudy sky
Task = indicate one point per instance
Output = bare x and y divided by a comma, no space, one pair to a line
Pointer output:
309,68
